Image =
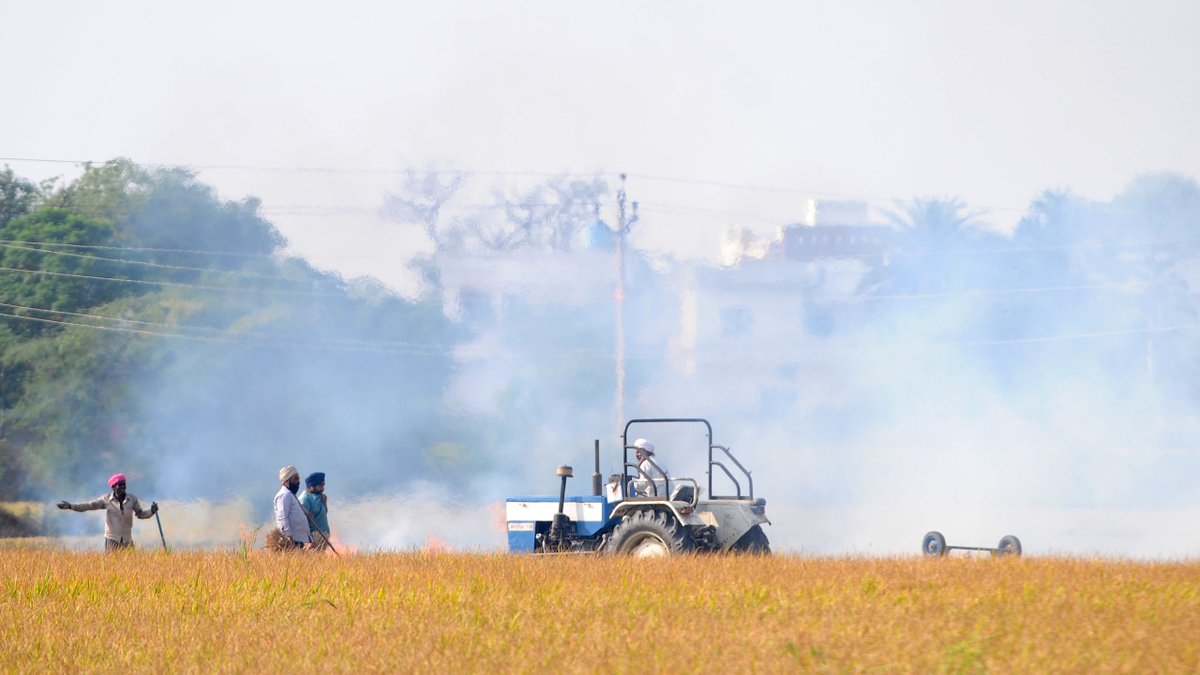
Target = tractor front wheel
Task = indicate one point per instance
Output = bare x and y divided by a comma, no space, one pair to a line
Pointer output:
650,534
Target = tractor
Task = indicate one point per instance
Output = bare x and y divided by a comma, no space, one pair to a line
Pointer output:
643,511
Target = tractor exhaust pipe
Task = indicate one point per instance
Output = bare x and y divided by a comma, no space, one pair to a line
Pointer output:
564,472
560,519
596,475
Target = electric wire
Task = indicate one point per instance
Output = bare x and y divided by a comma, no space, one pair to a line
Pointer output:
135,248
549,282
273,342
577,353
175,284
1176,243
677,209
1064,338
243,336
699,182
146,263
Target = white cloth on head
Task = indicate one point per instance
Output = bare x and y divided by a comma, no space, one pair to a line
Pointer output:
286,473
290,517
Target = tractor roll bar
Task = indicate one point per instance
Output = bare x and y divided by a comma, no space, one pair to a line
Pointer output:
711,463
711,447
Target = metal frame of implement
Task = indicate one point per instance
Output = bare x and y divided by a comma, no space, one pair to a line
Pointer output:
933,545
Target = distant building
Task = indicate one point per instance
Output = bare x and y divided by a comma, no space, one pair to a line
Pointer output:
758,324
799,242
830,229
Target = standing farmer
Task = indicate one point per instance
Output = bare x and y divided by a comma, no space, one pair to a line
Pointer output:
120,508
289,515
317,504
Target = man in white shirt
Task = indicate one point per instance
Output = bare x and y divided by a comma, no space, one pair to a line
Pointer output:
289,515
119,507
656,485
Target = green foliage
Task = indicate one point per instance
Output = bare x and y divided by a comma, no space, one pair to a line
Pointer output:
183,214
146,315
42,276
111,191
17,196
72,406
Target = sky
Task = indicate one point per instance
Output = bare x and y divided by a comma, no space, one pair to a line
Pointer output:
722,114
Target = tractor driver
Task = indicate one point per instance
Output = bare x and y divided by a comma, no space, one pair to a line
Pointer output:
657,475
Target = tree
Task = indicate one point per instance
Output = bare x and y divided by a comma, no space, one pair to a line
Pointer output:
223,354
935,243
46,266
421,198
190,226
548,217
930,224
17,196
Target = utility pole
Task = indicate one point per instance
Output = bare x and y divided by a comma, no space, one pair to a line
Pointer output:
624,223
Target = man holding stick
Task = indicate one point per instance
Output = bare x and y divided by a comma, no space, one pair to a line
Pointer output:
290,518
119,507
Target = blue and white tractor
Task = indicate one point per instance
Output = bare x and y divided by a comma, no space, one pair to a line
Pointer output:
644,511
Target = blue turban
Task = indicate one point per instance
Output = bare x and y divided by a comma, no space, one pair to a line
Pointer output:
314,479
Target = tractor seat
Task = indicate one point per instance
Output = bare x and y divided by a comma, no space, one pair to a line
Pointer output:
684,493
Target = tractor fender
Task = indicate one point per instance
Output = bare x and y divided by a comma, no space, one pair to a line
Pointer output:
731,518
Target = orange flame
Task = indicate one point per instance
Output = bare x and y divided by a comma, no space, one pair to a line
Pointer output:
500,516
341,546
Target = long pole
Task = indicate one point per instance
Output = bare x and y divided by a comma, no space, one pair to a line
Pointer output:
624,223
160,532
619,301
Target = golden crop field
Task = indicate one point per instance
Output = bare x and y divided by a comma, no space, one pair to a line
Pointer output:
441,612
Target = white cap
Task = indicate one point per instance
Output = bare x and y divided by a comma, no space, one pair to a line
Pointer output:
645,445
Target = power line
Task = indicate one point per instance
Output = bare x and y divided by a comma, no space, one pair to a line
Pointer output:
809,192
1063,338
135,248
1092,245
85,315
866,297
324,169
228,339
702,182
1127,285
400,348
147,263
171,284
396,348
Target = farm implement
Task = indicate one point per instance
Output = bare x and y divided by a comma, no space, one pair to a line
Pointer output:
934,545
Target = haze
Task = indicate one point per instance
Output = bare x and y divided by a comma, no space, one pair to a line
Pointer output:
723,115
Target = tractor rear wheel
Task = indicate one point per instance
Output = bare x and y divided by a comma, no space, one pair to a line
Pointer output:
650,534
754,541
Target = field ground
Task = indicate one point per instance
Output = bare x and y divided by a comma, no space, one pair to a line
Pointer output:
438,612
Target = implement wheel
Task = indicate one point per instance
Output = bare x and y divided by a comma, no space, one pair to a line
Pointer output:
934,544
650,534
1009,545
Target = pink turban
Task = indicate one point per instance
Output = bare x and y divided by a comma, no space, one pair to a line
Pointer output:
116,478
